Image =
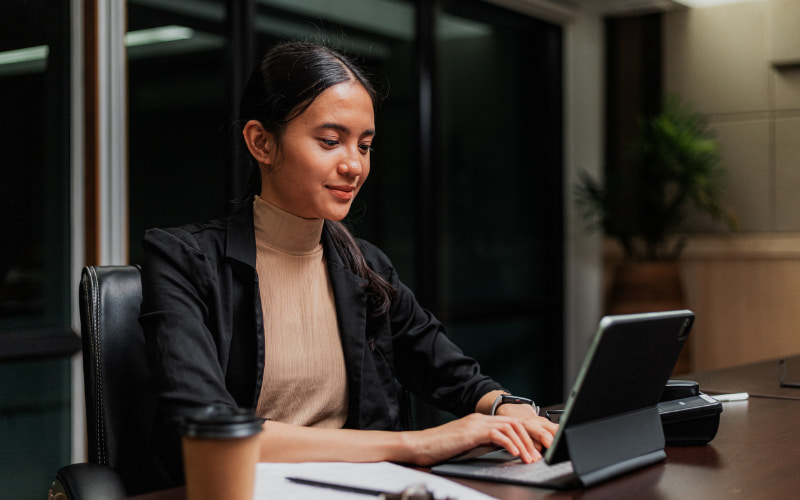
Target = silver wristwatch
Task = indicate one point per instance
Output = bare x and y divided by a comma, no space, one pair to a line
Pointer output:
510,399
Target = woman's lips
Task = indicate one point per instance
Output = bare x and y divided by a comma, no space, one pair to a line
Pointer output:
343,192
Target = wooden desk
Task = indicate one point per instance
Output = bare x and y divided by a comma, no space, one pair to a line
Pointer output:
756,454
758,379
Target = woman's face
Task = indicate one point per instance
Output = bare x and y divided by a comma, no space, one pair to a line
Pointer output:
323,157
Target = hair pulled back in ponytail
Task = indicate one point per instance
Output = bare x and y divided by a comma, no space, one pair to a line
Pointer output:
289,78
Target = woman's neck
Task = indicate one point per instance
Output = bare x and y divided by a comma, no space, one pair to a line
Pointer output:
284,231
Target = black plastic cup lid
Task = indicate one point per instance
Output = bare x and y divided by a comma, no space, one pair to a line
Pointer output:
221,422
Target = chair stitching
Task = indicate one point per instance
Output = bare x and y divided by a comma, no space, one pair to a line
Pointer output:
95,338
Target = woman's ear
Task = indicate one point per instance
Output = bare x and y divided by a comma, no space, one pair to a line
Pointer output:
260,143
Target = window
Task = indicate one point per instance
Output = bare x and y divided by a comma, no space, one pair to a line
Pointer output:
499,97
36,339
178,125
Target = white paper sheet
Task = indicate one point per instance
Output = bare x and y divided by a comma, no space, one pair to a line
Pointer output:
271,482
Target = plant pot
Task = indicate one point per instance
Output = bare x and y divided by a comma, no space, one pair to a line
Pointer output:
649,286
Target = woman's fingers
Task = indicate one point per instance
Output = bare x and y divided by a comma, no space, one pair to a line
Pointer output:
541,430
509,440
512,435
522,438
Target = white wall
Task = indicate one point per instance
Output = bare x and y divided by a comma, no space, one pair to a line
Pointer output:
740,65
584,111
722,59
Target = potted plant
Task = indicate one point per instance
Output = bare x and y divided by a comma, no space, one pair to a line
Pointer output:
674,174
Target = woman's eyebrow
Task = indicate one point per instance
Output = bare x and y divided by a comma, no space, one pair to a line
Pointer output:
344,129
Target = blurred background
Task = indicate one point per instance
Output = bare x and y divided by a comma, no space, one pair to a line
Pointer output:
117,117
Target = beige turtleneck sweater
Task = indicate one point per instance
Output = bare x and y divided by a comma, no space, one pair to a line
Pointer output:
304,372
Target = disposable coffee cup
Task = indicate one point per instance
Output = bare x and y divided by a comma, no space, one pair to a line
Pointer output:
220,452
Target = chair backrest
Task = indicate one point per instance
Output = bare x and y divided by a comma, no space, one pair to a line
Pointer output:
120,404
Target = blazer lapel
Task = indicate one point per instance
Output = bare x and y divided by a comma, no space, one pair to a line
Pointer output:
240,250
351,311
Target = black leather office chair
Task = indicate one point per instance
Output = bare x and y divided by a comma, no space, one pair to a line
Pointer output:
120,406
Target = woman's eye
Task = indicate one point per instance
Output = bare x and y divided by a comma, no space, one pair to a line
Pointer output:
330,142
365,148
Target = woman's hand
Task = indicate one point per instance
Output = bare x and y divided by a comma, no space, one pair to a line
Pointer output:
540,429
436,444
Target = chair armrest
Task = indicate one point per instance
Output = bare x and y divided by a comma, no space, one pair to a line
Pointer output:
86,481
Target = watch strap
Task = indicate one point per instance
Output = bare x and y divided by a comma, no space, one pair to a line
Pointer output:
511,399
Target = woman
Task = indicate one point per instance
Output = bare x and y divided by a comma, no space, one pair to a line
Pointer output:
278,308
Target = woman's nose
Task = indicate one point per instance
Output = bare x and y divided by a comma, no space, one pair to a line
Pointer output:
350,166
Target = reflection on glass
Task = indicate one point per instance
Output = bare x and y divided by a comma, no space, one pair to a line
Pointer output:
34,138
22,61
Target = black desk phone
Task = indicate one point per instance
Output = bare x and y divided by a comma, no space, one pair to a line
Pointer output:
688,416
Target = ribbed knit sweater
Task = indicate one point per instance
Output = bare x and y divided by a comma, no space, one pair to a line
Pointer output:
304,372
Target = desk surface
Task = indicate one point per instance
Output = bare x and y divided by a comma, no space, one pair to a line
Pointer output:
759,379
756,453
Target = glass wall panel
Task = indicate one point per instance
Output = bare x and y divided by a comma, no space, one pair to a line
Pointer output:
34,425
178,114
34,247
34,137
499,97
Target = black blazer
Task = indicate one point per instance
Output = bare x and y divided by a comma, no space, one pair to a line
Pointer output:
201,314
